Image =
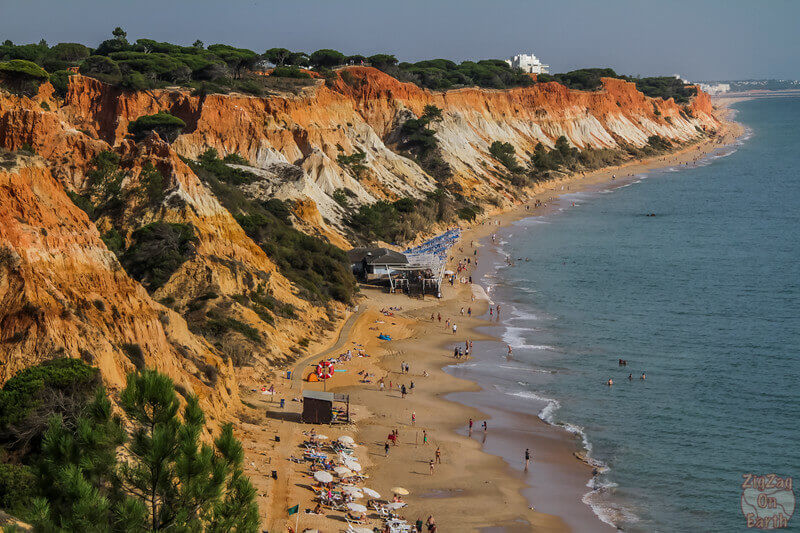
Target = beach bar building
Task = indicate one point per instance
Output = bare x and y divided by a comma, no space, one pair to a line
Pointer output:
373,263
318,407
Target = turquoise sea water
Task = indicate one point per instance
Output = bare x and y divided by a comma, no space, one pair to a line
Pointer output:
704,297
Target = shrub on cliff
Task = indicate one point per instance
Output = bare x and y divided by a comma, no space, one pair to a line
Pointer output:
64,55
277,56
289,72
666,87
326,58
422,144
584,79
317,267
167,126
238,59
506,154
23,76
405,219
382,61
28,400
157,251
60,81
443,74
101,68
219,167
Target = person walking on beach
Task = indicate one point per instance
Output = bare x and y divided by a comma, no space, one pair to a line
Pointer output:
438,455
381,385
431,465
386,449
413,418
403,391
469,312
455,327
424,436
411,388
470,426
527,458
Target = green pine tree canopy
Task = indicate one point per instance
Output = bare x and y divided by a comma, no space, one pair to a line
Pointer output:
74,478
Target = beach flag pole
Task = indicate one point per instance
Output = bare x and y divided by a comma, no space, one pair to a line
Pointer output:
295,511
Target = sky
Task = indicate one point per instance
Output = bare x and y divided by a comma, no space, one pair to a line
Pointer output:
698,39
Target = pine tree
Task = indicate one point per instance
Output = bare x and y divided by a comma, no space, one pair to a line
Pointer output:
185,485
165,478
77,471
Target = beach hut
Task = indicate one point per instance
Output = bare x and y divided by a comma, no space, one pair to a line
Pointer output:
318,407
375,263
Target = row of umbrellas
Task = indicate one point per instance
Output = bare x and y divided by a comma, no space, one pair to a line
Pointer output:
345,439
348,468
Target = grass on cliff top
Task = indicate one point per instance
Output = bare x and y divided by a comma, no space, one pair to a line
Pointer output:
318,268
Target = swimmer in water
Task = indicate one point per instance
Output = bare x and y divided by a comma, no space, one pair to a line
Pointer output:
610,382
643,376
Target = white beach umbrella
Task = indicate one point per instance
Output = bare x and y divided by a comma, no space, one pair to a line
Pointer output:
346,440
352,465
395,505
343,471
357,507
354,493
400,490
323,477
359,530
371,493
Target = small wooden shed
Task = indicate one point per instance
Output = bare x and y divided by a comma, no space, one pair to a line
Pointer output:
318,407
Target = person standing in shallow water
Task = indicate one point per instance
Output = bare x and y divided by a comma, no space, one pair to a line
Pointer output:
527,458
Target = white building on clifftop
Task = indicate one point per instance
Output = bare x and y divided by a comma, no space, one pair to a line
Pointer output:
528,63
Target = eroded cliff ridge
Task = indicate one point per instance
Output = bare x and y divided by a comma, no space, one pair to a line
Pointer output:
63,290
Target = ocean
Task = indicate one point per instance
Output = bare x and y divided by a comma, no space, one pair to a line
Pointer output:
703,298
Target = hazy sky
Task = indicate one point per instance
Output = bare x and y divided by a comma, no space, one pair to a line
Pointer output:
700,39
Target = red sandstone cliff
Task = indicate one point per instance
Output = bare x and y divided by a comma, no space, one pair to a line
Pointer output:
55,268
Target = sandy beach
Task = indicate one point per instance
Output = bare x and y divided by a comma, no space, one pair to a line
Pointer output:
471,490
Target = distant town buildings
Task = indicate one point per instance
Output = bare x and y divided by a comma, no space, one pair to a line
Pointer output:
715,88
528,63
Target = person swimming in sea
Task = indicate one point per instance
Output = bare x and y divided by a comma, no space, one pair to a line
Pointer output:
643,376
610,382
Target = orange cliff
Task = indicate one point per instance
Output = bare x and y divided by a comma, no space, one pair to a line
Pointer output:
294,143
360,110
62,293
226,261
